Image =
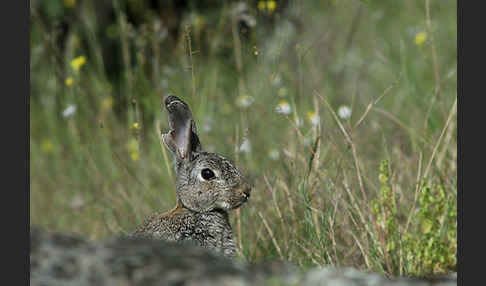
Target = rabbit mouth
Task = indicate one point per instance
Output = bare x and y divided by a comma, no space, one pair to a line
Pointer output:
241,202
228,206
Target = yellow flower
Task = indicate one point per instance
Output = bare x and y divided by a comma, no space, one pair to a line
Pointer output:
107,103
283,107
47,146
77,63
69,81
313,117
135,125
69,3
134,156
261,5
244,100
132,148
271,6
420,38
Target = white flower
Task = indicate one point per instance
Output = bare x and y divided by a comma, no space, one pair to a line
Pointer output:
245,146
313,117
208,125
69,111
344,112
451,73
283,107
244,100
77,202
298,121
274,154
276,79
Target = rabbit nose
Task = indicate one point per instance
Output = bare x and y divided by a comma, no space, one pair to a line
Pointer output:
246,196
246,193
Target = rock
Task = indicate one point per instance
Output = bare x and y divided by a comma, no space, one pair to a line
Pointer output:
328,276
61,259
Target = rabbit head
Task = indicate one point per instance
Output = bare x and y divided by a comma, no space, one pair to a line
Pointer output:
205,181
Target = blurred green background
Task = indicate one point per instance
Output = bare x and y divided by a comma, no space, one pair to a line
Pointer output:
342,113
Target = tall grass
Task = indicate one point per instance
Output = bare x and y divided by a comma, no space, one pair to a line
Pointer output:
374,189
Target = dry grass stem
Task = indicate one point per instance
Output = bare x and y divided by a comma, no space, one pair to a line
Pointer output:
277,208
363,253
270,232
372,104
452,112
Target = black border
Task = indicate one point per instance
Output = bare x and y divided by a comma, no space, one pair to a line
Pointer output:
470,186
15,90
15,79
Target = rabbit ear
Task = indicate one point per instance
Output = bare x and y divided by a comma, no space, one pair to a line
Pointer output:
182,137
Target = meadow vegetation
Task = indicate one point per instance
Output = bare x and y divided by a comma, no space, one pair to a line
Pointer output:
341,113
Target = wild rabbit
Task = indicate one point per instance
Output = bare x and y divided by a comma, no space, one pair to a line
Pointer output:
207,185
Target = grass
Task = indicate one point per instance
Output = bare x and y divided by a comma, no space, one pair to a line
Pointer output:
375,190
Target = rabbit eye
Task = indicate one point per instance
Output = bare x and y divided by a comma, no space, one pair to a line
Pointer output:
207,174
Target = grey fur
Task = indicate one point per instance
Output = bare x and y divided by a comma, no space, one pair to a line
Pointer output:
201,214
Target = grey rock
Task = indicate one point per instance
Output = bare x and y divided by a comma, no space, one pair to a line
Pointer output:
330,276
62,259
59,259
